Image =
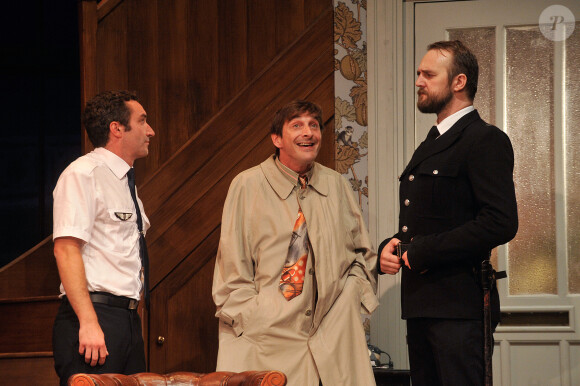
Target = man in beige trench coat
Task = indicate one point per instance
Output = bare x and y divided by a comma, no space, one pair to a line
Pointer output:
311,328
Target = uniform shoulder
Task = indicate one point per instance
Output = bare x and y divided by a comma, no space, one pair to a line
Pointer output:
482,129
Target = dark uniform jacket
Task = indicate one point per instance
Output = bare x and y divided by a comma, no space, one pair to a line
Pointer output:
457,202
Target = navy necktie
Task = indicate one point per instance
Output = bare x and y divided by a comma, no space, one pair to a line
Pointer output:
142,245
433,134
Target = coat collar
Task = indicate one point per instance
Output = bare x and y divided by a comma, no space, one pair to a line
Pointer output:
283,185
443,142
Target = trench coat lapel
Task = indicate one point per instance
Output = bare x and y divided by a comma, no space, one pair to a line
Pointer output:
426,150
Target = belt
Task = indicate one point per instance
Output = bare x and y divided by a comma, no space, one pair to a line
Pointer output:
113,300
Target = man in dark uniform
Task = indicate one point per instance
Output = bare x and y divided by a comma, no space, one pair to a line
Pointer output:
457,202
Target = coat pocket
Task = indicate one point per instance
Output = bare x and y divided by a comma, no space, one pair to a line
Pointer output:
368,299
439,186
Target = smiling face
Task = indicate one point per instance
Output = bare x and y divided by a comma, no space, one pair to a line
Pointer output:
299,143
136,136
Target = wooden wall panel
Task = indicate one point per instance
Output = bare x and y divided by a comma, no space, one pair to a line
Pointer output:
112,50
174,109
232,65
28,370
290,18
210,74
189,332
313,10
88,21
27,324
188,176
260,50
144,65
32,275
204,55
286,81
196,56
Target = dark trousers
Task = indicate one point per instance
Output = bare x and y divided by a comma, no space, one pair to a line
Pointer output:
445,351
123,337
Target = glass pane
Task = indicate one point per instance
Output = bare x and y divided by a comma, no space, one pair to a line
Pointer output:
530,123
572,146
481,41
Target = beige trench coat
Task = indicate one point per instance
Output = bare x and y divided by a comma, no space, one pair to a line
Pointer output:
305,338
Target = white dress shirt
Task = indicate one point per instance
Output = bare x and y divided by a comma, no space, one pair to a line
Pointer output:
92,202
448,122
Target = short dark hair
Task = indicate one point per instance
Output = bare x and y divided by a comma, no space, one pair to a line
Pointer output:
292,110
104,108
462,62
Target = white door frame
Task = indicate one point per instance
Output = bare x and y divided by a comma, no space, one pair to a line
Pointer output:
389,31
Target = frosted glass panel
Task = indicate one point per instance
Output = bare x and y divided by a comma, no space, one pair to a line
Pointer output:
530,123
481,41
572,146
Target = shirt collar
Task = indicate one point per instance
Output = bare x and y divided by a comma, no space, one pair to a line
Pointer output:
117,165
291,174
284,180
448,122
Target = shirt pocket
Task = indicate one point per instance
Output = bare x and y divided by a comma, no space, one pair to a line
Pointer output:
122,229
439,187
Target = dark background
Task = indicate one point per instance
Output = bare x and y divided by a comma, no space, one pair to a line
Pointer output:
40,115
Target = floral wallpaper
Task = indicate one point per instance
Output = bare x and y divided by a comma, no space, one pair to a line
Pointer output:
350,83
350,102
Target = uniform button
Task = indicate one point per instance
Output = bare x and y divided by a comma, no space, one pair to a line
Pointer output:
435,171
411,177
407,202
311,271
308,312
302,197
405,229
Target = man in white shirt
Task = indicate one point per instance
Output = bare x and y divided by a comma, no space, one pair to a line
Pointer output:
97,244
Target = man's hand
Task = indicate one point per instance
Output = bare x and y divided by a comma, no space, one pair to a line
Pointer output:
92,344
389,261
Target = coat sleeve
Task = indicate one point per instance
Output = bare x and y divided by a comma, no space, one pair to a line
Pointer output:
364,267
234,290
490,164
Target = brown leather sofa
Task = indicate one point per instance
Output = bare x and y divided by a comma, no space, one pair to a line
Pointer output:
220,378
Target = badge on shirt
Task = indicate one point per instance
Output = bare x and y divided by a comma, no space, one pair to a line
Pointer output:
123,216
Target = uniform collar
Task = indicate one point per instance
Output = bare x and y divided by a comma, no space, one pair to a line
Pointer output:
427,149
117,165
448,122
283,180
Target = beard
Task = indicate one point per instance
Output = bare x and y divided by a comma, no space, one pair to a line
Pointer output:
433,104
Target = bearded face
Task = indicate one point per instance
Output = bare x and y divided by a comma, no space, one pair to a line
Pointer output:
432,102
433,83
